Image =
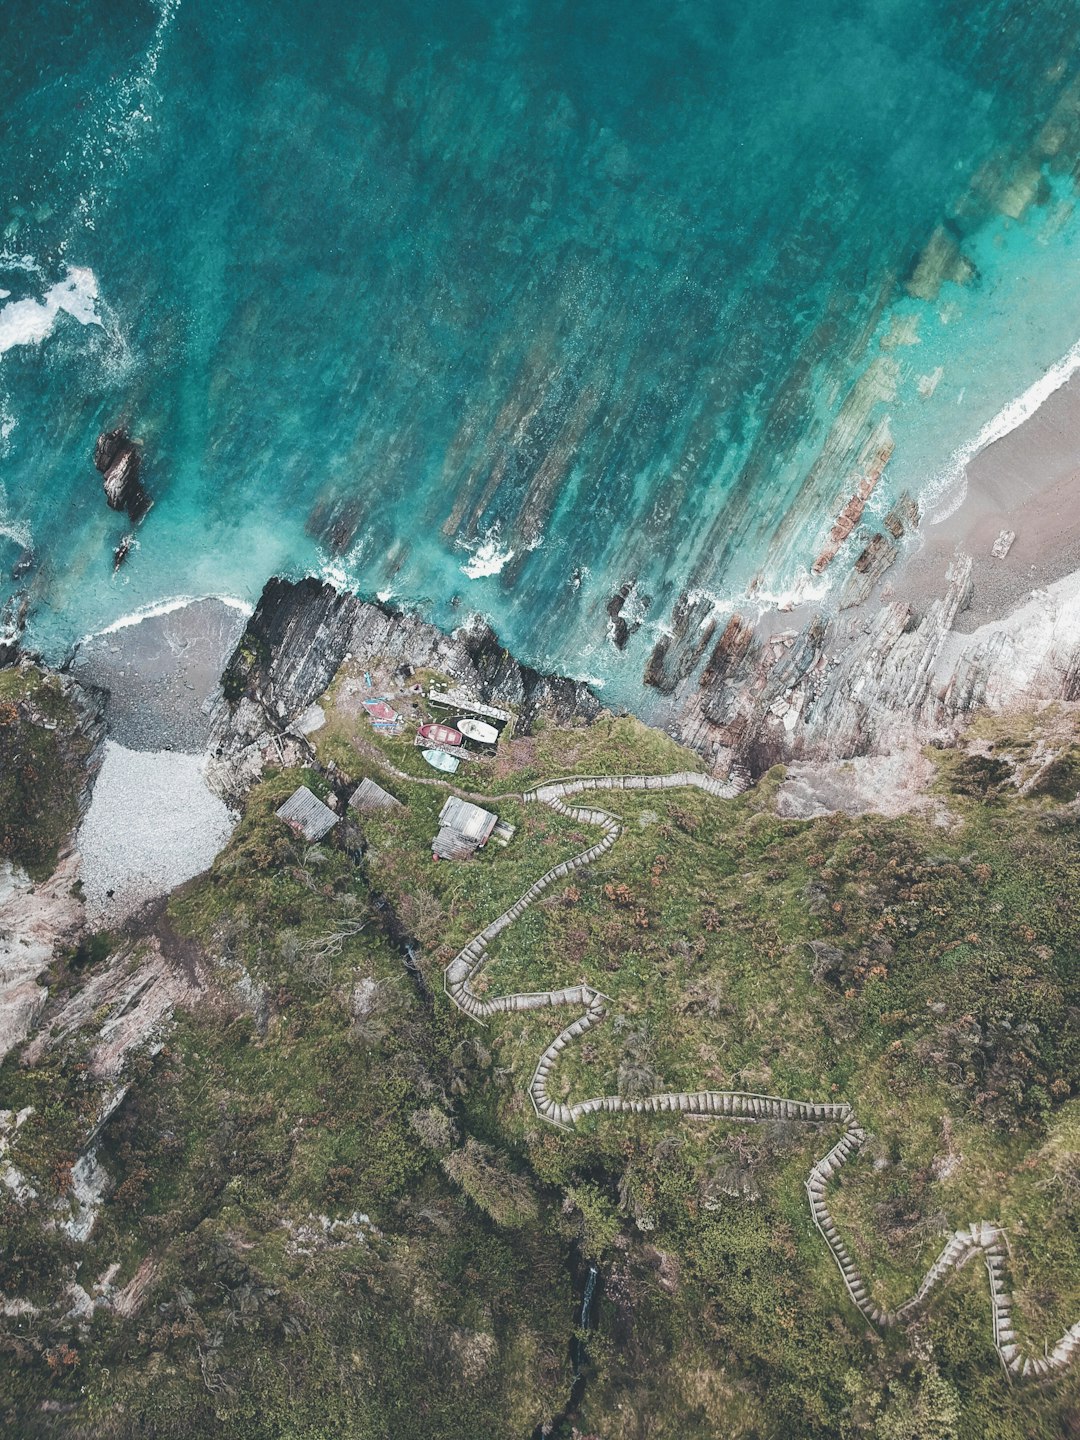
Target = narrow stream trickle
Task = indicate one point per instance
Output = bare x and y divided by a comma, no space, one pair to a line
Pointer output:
559,1426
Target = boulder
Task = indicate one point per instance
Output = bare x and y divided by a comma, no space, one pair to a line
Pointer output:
108,446
118,460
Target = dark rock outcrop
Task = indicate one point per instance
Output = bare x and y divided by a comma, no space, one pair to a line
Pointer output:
118,460
623,626
301,632
108,445
675,657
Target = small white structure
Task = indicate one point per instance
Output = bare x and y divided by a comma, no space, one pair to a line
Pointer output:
463,828
306,813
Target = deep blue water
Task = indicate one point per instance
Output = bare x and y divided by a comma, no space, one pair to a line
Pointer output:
573,293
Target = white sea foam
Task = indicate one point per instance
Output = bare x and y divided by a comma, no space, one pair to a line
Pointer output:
487,558
26,263
29,321
166,607
803,589
333,573
16,530
945,493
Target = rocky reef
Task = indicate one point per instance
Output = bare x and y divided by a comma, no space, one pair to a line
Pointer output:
874,680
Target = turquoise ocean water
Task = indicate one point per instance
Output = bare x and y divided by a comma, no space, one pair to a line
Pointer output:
501,307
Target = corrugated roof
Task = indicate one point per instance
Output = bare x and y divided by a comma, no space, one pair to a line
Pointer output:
470,821
370,796
308,813
451,845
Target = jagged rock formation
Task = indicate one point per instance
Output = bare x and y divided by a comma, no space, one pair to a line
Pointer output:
874,682
980,1239
118,460
301,633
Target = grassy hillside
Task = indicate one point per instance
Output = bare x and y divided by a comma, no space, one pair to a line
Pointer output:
347,1219
44,747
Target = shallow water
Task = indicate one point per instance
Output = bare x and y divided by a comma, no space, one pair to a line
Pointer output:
505,307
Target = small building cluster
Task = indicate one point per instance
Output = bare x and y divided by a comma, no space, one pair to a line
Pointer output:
463,828
309,817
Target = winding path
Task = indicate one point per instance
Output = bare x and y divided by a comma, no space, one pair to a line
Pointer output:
982,1240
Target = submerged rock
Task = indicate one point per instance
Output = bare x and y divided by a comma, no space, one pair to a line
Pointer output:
122,551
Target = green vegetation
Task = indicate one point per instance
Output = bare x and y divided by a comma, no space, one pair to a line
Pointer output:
43,754
346,1219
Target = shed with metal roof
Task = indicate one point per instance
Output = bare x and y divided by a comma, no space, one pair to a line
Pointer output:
463,828
307,814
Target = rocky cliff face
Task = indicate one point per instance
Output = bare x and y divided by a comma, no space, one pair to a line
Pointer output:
52,747
301,633
875,680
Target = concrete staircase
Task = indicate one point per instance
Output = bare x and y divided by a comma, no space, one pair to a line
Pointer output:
981,1239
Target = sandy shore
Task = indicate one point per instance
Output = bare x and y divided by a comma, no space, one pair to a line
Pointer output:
162,673
1027,482
153,821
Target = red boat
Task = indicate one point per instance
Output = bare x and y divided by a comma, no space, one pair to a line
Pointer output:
440,734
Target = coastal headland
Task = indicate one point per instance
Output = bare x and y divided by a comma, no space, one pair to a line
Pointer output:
266,1097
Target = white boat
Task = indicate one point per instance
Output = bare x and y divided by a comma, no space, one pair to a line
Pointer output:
477,730
440,760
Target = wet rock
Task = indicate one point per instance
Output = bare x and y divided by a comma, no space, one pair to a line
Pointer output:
107,447
873,459
301,632
122,551
873,561
626,611
675,657
118,460
904,516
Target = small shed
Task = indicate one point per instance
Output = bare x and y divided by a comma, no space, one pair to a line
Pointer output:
463,828
369,796
307,813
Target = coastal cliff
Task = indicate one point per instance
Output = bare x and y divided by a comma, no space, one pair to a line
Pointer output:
889,677
237,1104
879,679
302,631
